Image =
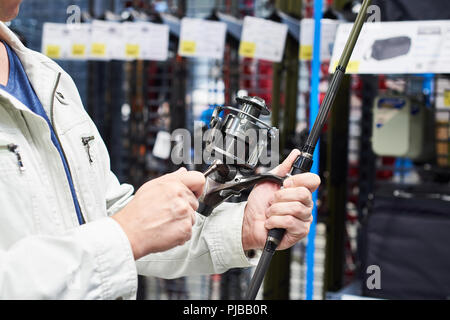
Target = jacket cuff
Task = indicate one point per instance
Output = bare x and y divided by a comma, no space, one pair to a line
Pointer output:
115,261
227,251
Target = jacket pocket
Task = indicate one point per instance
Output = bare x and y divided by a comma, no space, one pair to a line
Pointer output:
16,194
81,147
12,148
87,143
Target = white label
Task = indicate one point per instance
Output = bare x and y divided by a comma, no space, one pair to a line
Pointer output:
202,38
155,41
146,41
328,36
163,145
56,40
263,39
107,41
80,39
397,48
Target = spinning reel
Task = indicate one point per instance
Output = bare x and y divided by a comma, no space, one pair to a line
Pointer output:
234,146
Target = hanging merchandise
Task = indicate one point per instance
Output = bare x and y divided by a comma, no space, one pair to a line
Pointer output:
55,41
443,122
263,39
104,41
202,38
145,41
399,128
407,47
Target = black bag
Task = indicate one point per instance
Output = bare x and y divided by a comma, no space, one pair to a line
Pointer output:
391,48
409,239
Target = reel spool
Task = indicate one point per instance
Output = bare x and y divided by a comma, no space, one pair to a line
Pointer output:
238,140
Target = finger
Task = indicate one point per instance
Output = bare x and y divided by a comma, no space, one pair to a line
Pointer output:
195,181
294,227
174,175
294,209
192,199
300,194
193,218
286,167
307,180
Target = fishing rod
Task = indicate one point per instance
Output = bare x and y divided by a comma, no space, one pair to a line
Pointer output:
234,159
305,161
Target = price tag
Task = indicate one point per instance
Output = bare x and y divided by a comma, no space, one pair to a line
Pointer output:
146,41
155,41
98,50
447,98
80,39
352,67
53,51
78,50
132,51
107,41
306,52
247,49
188,47
263,39
202,38
56,40
328,36
404,47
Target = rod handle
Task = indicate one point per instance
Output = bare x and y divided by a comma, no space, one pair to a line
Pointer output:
302,165
274,239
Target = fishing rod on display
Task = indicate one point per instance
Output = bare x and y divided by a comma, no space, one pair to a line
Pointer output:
233,163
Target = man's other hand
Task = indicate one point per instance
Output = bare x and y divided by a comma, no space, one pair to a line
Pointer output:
270,207
162,213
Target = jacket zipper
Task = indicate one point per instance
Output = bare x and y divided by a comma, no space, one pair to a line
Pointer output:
14,148
52,119
86,141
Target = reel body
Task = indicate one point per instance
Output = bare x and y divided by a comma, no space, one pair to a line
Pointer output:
241,137
234,147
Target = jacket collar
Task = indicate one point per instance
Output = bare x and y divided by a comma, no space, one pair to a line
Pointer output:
38,68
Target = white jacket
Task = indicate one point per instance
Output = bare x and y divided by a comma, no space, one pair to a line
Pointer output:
44,253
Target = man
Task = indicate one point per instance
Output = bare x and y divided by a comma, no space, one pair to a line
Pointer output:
69,230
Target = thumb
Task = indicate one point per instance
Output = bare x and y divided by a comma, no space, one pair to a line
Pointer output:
194,181
178,173
286,167
174,175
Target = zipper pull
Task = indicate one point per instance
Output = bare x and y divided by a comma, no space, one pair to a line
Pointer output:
86,141
14,148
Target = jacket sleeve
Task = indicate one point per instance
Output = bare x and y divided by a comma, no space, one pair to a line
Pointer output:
93,261
215,247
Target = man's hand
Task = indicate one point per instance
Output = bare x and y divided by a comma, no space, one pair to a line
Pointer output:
162,213
270,207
